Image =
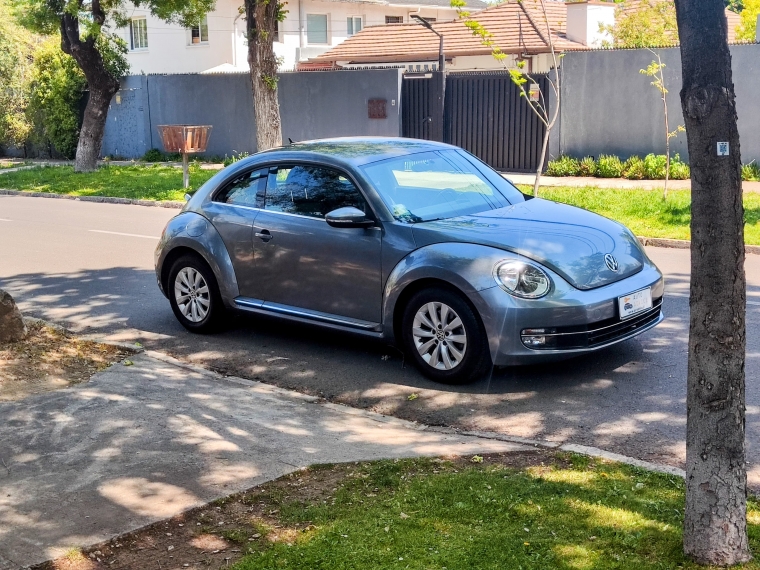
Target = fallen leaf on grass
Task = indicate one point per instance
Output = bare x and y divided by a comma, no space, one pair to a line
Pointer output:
477,459
404,516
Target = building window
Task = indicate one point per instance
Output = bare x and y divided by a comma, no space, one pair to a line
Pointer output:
316,28
199,33
138,32
354,24
276,31
394,19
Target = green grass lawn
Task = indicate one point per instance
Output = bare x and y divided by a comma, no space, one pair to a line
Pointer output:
138,182
572,513
645,212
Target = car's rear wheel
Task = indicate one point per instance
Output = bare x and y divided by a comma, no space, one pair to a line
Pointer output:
445,337
194,295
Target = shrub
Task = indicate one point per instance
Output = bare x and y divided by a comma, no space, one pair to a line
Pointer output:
609,166
751,172
633,169
239,156
153,155
587,166
563,166
679,170
654,166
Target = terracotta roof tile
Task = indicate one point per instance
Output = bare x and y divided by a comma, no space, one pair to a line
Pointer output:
517,27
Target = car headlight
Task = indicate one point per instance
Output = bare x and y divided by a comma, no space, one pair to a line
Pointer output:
522,279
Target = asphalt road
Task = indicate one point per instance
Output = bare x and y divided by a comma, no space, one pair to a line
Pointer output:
89,267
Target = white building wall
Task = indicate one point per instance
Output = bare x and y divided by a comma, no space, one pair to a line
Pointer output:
171,51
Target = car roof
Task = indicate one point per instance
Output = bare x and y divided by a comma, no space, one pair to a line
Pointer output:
355,150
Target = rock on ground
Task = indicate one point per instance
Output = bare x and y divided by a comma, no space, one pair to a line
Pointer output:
12,327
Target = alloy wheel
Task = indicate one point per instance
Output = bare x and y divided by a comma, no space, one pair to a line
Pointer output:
439,336
192,294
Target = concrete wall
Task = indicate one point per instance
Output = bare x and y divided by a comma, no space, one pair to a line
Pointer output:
334,103
312,105
608,107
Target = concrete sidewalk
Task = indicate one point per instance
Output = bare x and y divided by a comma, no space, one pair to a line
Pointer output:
620,183
145,442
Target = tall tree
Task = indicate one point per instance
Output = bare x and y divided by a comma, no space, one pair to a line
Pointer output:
262,17
715,525
82,25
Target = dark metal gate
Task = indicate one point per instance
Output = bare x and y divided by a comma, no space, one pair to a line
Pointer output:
483,113
422,106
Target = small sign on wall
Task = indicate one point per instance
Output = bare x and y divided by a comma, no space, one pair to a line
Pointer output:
376,109
723,149
534,92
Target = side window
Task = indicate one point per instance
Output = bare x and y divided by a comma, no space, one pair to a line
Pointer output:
245,190
311,191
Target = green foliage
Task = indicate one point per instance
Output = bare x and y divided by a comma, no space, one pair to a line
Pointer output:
587,166
654,166
748,28
679,170
652,24
16,48
234,158
609,166
153,155
563,166
57,87
751,172
633,169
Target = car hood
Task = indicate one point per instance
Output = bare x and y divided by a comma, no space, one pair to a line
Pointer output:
568,240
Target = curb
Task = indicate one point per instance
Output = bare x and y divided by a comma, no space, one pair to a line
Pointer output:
100,199
685,244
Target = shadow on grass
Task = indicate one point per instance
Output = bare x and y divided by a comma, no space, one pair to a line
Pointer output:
577,513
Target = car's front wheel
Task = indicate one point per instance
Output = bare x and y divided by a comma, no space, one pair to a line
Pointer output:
194,295
445,337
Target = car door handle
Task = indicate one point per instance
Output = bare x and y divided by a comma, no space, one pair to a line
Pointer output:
264,235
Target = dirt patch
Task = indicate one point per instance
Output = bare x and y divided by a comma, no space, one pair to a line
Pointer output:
51,358
220,533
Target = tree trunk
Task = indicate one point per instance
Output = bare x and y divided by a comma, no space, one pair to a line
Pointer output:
101,84
715,527
261,25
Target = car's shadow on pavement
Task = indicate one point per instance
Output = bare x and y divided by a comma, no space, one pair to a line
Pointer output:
628,398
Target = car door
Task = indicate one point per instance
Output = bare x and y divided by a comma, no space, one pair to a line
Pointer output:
232,210
304,263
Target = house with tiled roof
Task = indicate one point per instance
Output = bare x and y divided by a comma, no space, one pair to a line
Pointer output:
518,27
217,43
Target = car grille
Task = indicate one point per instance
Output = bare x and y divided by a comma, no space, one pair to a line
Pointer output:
594,334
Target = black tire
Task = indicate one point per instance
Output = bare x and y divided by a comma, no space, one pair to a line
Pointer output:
215,312
475,359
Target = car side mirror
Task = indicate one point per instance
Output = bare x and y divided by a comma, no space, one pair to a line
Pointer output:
349,217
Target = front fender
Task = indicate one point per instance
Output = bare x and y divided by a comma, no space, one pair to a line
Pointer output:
193,231
468,267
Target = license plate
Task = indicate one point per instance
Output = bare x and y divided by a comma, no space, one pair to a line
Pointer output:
634,303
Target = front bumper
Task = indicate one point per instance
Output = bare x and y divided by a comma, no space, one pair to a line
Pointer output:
576,322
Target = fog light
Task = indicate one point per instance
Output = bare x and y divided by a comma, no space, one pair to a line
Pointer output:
534,340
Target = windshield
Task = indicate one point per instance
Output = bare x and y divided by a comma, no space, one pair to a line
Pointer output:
438,184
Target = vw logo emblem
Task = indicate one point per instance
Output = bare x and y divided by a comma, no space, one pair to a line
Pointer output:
611,262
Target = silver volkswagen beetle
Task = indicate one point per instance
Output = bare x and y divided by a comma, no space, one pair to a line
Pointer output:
416,242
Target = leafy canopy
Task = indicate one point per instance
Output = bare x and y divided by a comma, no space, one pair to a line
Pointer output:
748,28
16,47
652,23
45,16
